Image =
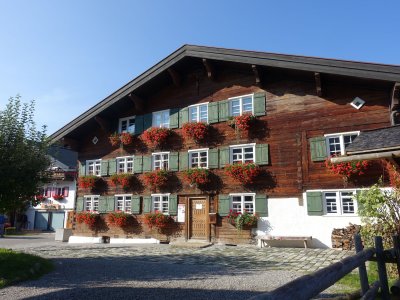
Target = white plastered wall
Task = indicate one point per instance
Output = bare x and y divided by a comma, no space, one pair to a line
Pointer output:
288,217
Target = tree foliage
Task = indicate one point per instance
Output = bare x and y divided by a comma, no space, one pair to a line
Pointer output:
23,155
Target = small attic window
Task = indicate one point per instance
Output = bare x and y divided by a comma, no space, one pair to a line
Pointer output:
357,103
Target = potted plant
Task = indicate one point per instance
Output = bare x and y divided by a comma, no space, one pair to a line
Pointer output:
89,218
114,139
58,197
157,219
88,181
196,176
155,136
347,169
126,138
240,220
196,131
123,179
242,122
118,218
243,173
156,179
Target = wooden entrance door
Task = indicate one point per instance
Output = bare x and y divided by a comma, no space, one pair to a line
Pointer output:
198,214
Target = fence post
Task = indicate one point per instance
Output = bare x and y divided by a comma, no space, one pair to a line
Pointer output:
396,246
382,268
362,270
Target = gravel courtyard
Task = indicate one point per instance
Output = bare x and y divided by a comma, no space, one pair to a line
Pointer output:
162,271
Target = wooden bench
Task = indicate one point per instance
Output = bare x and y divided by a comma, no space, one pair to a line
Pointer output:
264,238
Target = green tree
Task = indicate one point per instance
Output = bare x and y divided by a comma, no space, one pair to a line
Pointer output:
23,156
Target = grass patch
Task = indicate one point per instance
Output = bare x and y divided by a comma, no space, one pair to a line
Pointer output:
16,266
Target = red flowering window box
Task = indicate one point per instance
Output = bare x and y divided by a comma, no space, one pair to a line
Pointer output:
89,218
122,179
348,169
196,176
157,219
118,218
243,173
154,137
156,179
196,131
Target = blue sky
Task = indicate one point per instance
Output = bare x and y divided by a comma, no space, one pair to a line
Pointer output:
70,54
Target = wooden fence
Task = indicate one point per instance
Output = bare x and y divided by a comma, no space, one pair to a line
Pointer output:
311,285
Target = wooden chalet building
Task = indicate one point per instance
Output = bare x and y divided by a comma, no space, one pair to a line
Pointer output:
306,109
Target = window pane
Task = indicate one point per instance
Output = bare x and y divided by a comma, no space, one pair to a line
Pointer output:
193,114
247,104
348,139
203,113
123,125
331,206
334,146
347,202
248,204
237,203
235,106
131,126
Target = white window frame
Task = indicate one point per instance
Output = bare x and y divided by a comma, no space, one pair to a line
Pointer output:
126,119
162,125
124,200
164,211
92,202
339,202
242,146
197,106
153,161
96,162
240,98
190,152
242,195
125,164
341,136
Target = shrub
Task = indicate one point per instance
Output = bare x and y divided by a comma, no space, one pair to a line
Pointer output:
155,136
243,173
196,131
89,218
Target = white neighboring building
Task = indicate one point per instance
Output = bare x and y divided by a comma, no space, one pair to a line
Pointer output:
58,195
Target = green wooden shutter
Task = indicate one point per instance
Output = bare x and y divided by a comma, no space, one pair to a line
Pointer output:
223,156
112,166
146,204
173,161
138,164
79,204
135,204
147,167
104,168
174,118
139,124
213,158
183,160
102,204
173,205
223,110
223,205
318,148
111,203
213,112
183,116
315,206
259,104
262,154
261,205
147,121
82,168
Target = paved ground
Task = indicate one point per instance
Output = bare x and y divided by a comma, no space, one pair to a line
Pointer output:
161,271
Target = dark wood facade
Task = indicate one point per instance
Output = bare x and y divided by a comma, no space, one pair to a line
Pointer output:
299,105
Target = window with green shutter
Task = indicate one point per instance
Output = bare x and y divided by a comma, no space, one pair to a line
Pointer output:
138,164
104,167
223,110
183,161
173,161
135,204
261,203
173,205
318,148
103,205
213,158
146,204
223,157
213,112
262,154
174,118
139,124
315,205
223,205
147,164
259,104
82,168
183,116
79,204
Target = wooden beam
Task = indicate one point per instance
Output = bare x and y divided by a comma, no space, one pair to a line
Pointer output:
176,77
104,125
318,84
395,103
137,102
256,74
209,68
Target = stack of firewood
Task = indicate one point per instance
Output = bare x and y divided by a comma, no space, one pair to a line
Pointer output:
343,238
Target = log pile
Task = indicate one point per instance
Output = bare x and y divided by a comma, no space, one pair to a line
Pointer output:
343,238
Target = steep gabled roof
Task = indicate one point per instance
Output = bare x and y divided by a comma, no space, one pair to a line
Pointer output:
374,71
